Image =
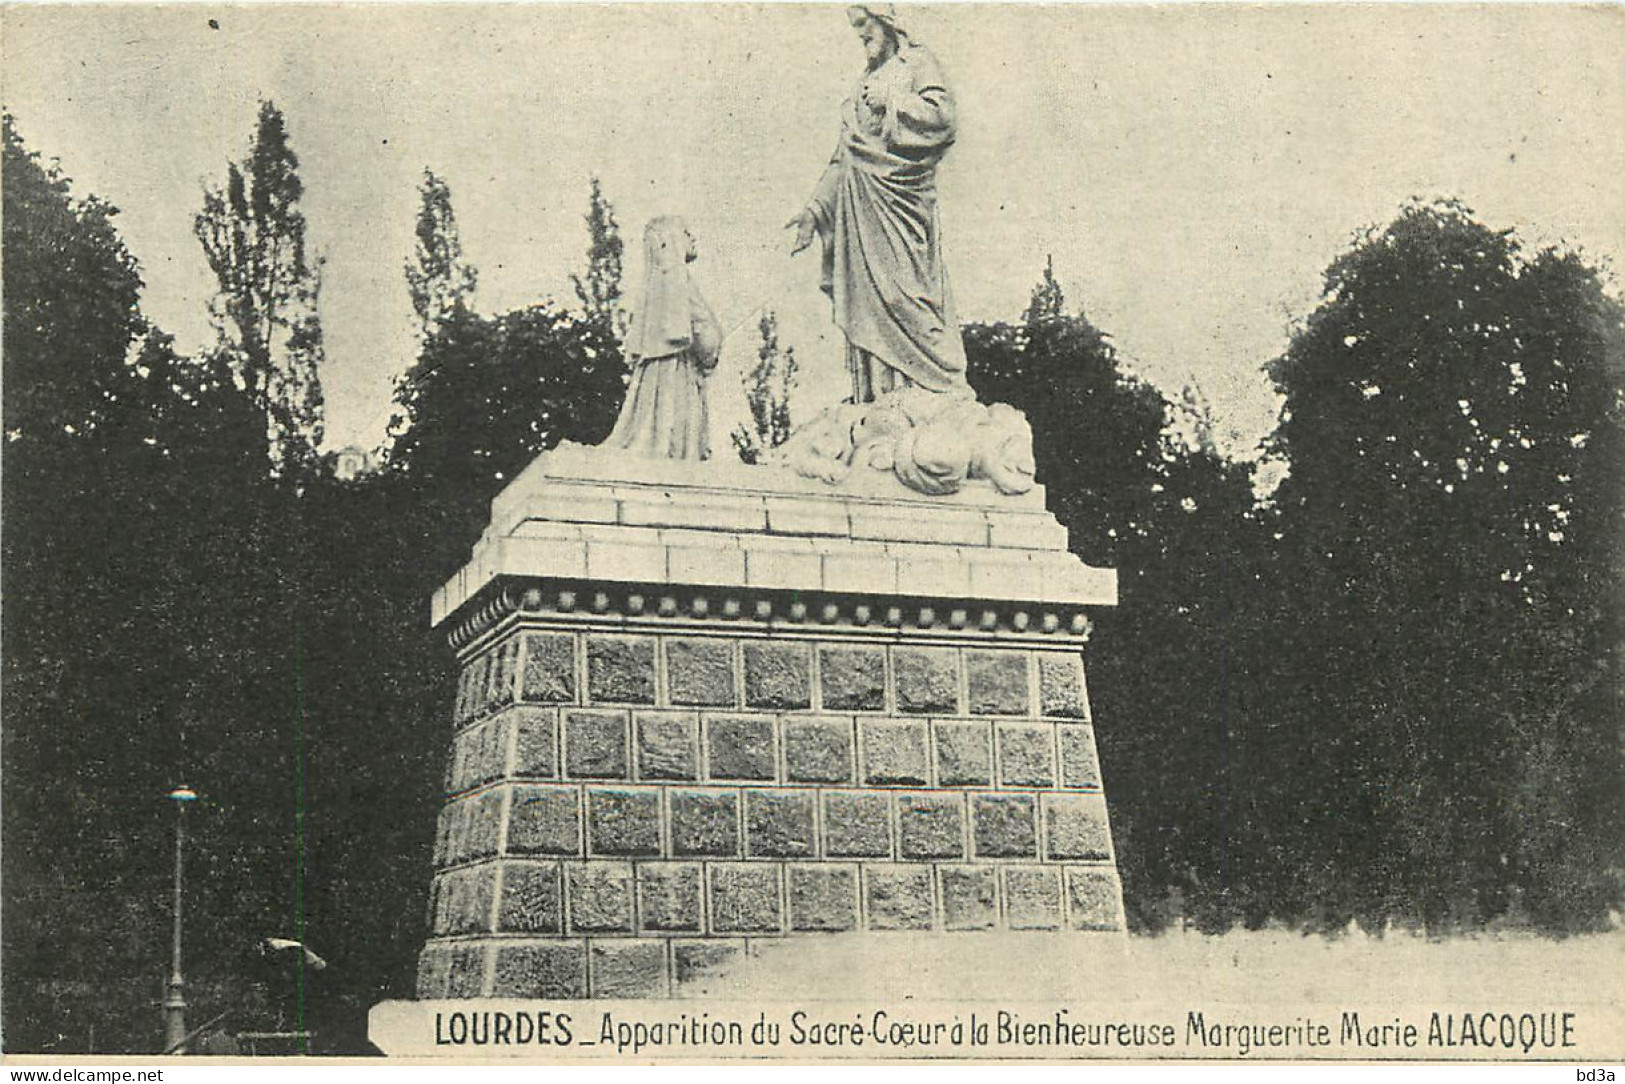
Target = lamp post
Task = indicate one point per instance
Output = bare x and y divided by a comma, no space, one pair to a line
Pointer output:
174,1002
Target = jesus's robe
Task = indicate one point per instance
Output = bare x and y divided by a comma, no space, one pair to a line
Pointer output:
876,213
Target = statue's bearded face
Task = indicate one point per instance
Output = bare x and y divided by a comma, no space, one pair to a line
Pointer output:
876,39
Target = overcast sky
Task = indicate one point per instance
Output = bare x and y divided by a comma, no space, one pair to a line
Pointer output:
1191,168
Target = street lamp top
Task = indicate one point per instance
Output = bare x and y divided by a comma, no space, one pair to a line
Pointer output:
183,793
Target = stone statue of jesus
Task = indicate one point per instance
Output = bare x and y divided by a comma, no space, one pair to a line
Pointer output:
875,211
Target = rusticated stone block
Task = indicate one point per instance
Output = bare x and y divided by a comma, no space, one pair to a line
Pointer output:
745,898
700,673
628,969
480,757
778,823
479,681
1004,826
595,745
531,898
1092,899
600,897
535,743
740,747
434,967
668,745
437,902
857,824
1026,754
621,669
442,835
462,710
467,978
964,753
485,754
894,750
669,896
853,678
623,821
455,769
1080,764
970,897
823,898
997,682
927,680
898,897
541,969
455,817
503,670
451,782
695,961
499,682
544,820
705,823
463,900
549,675
451,971
818,750
778,677
1076,826
931,825
481,826
1060,686
1032,898
484,675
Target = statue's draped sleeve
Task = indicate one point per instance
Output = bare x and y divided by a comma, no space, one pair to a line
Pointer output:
706,343
822,204
920,116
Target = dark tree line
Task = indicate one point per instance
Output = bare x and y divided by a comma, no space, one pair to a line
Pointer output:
1453,423
192,596
1388,693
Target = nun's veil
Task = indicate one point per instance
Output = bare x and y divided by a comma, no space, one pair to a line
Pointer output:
662,321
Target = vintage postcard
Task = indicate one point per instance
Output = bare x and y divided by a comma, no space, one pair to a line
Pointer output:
777,532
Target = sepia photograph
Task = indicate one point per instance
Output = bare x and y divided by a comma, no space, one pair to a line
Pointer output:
682,532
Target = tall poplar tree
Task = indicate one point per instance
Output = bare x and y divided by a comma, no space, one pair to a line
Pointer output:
767,391
439,278
266,313
600,291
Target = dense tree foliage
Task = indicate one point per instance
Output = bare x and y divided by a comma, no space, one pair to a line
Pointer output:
71,292
1452,521
142,632
181,608
485,396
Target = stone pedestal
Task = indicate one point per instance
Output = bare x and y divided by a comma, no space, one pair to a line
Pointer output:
705,703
